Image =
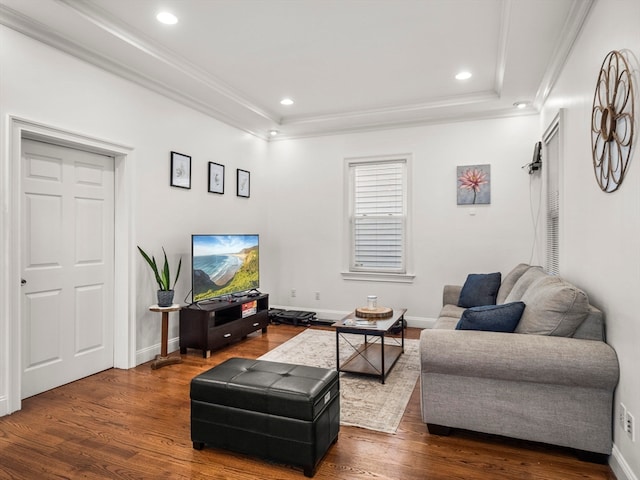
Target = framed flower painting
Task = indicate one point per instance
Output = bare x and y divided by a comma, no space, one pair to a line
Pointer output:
474,184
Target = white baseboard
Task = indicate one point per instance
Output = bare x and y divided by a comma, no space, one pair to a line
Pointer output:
620,467
335,315
4,406
149,353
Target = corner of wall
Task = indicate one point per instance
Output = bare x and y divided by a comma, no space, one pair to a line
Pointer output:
620,467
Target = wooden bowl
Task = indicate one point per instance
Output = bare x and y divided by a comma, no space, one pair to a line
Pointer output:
375,313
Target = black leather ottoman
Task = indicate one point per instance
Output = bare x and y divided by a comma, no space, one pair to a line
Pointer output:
277,411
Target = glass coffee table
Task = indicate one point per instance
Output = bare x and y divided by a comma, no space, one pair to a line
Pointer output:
373,356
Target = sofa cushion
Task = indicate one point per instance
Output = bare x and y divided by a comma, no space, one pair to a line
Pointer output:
480,289
509,281
554,307
493,318
446,323
523,283
451,311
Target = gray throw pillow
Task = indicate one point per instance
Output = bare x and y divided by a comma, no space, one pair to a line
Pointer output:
532,275
480,289
509,280
493,318
554,307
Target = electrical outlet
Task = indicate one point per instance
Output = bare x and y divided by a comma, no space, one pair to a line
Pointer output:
630,426
622,417
293,292
317,295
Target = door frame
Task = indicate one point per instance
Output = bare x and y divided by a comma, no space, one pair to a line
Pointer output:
10,249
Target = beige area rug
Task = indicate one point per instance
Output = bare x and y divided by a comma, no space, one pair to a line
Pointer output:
364,401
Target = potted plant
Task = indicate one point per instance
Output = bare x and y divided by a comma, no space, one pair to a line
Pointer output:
163,277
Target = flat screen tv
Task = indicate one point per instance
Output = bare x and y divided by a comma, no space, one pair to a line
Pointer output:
224,265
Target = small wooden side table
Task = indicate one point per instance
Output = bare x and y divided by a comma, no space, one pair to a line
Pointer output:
164,359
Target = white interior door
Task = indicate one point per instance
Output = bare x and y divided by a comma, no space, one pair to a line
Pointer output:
67,255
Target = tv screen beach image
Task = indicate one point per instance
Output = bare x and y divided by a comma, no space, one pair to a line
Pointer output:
224,264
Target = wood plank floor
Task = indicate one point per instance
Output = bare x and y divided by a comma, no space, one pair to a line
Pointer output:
134,424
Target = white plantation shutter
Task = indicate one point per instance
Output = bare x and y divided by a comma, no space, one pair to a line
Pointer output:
552,260
378,216
553,233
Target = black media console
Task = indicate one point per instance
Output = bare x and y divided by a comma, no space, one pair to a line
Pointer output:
215,324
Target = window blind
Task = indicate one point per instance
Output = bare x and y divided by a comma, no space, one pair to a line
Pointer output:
378,220
553,233
552,259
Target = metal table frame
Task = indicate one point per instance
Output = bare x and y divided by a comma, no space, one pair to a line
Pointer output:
375,358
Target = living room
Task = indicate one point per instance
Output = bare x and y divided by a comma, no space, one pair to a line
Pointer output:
297,198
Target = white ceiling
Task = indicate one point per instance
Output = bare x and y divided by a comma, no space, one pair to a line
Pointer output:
349,65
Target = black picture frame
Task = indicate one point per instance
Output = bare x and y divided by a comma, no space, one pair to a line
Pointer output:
216,178
180,170
243,183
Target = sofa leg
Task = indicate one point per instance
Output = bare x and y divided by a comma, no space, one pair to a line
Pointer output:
592,457
198,445
438,429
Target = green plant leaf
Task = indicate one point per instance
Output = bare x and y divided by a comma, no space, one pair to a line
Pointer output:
163,277
153,265
166,276
177,273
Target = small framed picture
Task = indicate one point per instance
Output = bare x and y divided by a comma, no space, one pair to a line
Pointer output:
180,170
216,178
474,184
243,183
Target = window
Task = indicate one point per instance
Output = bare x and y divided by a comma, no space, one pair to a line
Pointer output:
378,214
552,142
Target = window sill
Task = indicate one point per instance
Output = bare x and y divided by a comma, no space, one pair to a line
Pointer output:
379,277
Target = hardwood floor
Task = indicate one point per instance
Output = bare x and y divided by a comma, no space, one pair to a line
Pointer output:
134,424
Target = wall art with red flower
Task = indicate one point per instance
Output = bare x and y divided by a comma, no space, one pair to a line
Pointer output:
474,184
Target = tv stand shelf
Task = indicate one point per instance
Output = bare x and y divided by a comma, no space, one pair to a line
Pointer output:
215,324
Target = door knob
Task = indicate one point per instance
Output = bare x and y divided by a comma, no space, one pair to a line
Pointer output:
23,282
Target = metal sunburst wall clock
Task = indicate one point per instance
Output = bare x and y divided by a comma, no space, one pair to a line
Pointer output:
612,122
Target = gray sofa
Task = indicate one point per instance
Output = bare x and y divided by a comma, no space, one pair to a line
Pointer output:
550,381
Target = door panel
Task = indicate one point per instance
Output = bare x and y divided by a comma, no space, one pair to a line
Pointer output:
43,217
42,328
67,232
89,321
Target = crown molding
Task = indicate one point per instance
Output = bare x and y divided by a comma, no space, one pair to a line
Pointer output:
503,37
245,115
139,41
42,33
444,102
578,14
319,131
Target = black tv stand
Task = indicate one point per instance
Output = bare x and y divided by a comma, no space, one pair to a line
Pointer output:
215,324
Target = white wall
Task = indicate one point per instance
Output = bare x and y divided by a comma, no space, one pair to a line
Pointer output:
44,85
308,203
601,232
297,192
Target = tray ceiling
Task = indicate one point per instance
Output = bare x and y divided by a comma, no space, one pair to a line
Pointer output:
349,65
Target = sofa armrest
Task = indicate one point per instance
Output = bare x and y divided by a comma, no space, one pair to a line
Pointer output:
519,357
451,294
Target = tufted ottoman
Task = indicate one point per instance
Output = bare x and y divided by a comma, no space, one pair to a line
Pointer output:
277,411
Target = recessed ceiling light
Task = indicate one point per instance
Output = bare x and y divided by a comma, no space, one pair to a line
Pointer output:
273,133
521,104
167,18
286,101
463,75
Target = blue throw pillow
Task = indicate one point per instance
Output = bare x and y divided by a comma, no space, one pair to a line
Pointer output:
492,318
480,289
